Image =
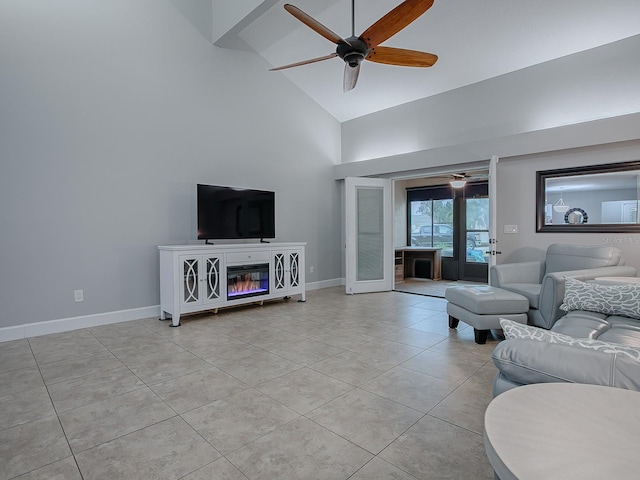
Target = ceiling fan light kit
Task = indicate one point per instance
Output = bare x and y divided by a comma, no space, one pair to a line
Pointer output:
458,183
354,50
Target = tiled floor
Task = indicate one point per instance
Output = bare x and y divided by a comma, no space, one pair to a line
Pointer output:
363,387
432,288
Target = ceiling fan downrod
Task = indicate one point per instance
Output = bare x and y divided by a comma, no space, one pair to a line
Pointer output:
353,18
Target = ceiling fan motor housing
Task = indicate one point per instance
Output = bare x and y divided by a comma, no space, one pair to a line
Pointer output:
353,52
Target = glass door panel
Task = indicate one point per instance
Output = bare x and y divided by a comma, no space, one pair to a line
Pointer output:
477,230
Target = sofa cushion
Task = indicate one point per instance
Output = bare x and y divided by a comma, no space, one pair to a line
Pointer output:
514,330
581,324
621,300
623,330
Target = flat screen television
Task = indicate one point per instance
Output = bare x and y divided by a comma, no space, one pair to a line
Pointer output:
235,213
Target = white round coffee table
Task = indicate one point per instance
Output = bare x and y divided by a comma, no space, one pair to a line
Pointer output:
564,431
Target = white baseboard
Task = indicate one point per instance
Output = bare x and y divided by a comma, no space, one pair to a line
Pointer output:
335,282
74,323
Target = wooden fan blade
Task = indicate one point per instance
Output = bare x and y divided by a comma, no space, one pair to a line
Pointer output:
313,24
305,62
394,21
402,57
350,77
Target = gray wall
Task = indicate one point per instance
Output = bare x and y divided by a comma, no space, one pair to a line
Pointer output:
576,110
516,197
595,84
110,113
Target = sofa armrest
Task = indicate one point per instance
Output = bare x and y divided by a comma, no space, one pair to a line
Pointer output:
521,272
524,361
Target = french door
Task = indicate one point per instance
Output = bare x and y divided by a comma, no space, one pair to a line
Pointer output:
473,238
369,235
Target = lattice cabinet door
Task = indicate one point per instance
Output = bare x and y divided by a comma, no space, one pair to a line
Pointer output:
202,279
288,268
279,272
294,269
190,288
212,278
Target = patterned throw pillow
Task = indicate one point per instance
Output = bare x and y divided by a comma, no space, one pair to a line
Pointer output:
621,300
513,329
607,347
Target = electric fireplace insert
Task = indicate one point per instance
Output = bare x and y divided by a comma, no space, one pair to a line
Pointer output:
247,281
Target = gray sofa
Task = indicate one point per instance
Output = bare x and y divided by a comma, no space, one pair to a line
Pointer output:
598,345
542,283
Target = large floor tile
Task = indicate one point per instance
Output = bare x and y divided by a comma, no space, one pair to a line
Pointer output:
234,421
343,338
352,368
378,469
99,422
16,381
416,338
81,391
300,450
444,366
433,449
166,450
15,355
221,469
267,338
62,346
157,368
306,351
229,350
78,367
30,446
414,389
24,407
259,367
195,389
65,469
304,389
387,351
368,420
465,406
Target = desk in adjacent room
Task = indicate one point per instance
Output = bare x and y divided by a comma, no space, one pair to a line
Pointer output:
405,261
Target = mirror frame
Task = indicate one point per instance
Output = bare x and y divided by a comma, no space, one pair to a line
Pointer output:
543,175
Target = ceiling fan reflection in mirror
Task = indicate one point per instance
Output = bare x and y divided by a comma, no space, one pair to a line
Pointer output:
353,50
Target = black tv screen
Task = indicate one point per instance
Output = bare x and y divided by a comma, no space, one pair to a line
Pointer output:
231,213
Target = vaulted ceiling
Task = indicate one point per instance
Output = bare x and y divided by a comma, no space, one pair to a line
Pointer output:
475,40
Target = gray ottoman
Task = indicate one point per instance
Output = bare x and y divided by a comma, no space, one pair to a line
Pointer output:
482,307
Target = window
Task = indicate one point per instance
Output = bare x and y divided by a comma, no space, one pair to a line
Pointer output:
430,219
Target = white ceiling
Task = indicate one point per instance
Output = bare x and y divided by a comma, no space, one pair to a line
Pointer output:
474,39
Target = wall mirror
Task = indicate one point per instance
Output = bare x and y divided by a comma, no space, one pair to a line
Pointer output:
597,198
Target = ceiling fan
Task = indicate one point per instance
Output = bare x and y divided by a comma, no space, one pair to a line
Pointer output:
459,180
353,50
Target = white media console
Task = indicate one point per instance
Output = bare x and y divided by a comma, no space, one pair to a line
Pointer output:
195,278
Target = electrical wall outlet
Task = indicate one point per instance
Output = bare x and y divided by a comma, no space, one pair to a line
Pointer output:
78,295
311,269
511,229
